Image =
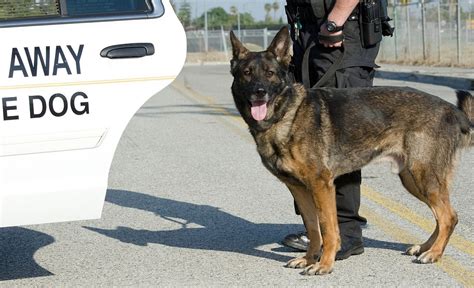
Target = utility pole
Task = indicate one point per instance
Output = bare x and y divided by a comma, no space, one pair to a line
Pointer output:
458,30
238,23
423,29
206,40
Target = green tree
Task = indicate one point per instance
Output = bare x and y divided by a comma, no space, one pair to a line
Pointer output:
215,18
173,4
234,14
246,19
233,10
268,8
184,14
276,7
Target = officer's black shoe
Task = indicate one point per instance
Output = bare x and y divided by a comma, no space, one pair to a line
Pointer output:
349,245
297,241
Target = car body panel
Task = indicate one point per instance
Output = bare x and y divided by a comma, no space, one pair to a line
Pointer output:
59,129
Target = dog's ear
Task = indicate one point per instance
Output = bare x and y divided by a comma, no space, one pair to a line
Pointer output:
238,49
281,46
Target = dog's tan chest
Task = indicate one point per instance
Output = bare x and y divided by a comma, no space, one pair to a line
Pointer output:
274,151
275,147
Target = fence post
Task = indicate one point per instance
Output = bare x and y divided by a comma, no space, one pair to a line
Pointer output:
408,31
458,28
395,23
423,29
206,39
439,32
224,42
265,38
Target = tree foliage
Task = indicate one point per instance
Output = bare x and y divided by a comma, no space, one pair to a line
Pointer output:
184,14
218,16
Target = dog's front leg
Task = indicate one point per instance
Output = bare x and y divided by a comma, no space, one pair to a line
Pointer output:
324,195
307,207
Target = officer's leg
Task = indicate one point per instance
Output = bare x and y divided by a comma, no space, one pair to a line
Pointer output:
348,218
348,185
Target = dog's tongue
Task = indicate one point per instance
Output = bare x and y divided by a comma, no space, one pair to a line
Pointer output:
259,110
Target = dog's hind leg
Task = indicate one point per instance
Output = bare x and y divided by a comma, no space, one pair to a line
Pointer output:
308,211
432,188
409,183
446,219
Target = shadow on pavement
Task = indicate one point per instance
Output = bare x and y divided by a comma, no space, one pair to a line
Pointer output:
220,231
379,244
17,248
368,243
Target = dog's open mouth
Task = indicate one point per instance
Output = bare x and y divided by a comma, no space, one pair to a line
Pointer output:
258,110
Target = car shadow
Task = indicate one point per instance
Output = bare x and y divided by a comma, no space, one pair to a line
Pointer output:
216,230
17,249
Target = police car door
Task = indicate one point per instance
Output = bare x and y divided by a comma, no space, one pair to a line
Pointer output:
72,74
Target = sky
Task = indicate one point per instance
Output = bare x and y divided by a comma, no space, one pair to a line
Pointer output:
254,7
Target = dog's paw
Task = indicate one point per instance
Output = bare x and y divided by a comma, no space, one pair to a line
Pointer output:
317,269
299,262
414,250
428,257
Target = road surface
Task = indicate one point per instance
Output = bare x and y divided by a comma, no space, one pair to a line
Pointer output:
190,204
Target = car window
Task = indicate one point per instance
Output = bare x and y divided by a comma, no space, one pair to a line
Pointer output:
28,9
14,9
91,7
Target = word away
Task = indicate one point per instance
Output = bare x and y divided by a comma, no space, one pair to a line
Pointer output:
38,60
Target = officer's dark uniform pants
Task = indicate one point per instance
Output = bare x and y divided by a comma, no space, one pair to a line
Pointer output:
348,185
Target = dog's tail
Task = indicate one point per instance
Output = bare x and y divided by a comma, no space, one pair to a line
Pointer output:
466,105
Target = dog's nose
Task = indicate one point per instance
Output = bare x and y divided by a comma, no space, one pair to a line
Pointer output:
261,92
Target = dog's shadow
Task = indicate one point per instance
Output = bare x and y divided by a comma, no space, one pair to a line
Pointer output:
205,227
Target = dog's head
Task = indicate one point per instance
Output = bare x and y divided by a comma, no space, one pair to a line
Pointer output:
260,78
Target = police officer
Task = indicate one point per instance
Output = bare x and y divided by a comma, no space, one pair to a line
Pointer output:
328,50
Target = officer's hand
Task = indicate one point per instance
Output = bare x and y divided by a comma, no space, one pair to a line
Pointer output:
328,43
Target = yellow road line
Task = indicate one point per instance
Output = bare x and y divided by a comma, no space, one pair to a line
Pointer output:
428,225
83,83
238,122
453,268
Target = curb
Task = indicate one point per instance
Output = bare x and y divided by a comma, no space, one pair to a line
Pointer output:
452,82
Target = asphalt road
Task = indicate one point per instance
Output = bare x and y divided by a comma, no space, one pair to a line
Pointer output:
189,204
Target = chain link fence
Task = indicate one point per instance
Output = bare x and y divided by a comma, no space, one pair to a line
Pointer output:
425,34
431,33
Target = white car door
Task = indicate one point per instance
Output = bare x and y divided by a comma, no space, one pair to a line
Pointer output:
72,75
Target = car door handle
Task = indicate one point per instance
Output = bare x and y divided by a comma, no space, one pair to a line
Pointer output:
130,50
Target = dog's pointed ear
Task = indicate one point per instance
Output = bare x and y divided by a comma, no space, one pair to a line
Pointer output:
238,49
281,46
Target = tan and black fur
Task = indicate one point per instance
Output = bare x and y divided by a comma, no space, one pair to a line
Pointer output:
307,138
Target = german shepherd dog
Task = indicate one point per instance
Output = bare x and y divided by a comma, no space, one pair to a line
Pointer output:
308,137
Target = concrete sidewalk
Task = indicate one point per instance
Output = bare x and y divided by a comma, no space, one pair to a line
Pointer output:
456,78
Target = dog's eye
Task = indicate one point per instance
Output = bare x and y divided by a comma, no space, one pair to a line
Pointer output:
270,73
247,72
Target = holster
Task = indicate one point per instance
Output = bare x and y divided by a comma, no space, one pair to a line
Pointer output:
374,22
